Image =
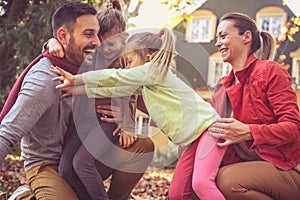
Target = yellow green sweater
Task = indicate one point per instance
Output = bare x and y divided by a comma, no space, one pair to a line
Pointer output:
173,105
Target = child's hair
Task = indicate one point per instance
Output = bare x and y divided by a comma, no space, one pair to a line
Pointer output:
243,23
160,46
111,19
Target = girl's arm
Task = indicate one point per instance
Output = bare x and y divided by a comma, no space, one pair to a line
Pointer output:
72,84
138,76
55,48
67,78
111,92
127,134
74,90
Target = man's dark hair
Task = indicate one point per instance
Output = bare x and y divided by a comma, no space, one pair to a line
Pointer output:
67,14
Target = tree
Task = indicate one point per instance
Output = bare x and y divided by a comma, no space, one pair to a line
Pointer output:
24,27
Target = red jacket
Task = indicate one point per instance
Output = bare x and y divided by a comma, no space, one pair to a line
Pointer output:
266,102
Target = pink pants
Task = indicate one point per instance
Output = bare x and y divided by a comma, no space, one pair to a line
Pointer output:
197,169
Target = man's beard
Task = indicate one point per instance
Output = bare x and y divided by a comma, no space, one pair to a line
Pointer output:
74,53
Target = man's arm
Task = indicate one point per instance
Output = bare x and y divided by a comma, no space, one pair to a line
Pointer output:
32,102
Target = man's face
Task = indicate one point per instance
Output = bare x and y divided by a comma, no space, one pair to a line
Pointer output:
83,40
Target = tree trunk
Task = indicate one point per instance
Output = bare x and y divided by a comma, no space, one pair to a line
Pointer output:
16,7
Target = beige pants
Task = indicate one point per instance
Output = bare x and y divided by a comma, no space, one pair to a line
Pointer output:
46,184
258,180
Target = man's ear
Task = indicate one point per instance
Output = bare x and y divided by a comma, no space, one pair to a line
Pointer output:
247,37
63,36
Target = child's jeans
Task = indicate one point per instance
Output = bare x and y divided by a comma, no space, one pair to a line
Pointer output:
197,169
77,165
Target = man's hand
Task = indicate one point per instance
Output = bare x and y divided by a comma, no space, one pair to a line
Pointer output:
231,130
109,113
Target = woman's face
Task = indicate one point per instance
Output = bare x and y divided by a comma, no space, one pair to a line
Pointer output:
229,43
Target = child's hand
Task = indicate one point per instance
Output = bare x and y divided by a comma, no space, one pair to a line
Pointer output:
67,78
55,48
127,139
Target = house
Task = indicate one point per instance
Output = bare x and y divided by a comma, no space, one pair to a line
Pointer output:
200,62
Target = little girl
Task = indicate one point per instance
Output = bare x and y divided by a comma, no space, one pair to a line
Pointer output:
174,107
94,137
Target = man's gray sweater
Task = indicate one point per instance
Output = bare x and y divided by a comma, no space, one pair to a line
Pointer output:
39,117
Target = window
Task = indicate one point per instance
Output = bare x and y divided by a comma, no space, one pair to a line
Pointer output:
296,67
142,123
200,30
217,69
271,19
202,27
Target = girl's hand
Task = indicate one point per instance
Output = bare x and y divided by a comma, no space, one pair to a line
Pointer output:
55,48
127,139
67,78
231,130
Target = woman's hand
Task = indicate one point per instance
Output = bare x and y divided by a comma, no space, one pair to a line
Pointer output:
231,130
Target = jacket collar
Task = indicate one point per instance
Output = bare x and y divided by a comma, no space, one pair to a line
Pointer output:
242,74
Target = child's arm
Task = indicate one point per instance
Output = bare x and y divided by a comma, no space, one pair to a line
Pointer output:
67,78
54,48
68,82
127,135
74,90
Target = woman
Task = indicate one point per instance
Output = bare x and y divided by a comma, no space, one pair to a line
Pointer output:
263,131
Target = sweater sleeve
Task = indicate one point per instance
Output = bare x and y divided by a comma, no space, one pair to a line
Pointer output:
129,109
34,98
111,92
138,76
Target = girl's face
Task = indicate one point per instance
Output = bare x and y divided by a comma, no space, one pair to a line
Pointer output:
111,45
133,60
229,42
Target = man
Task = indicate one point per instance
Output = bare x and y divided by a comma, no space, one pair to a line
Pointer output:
42,119
38,115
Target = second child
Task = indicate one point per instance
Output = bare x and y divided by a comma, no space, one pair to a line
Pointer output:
173,106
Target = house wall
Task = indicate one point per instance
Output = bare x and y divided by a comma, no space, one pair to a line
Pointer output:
194,59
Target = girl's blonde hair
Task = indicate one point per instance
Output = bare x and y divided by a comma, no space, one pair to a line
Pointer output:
263,42
160,46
